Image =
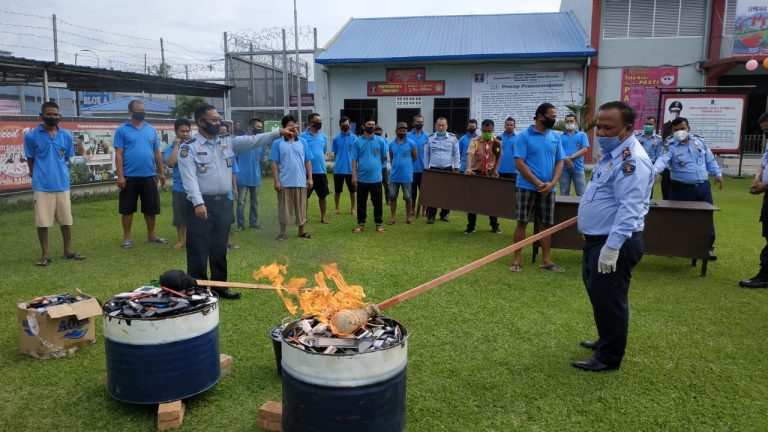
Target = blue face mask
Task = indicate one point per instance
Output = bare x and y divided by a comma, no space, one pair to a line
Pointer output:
607,144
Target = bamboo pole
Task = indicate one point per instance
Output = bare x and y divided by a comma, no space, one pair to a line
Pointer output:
474,265
222,284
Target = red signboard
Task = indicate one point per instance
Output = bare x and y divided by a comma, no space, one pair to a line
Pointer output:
409,74
640,89
406,88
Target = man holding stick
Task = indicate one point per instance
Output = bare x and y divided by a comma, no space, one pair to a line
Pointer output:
611,218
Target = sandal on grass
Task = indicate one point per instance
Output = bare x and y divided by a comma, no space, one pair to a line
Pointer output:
127,244
44,262
281,237
358,229
516,268
379,229
554,268
305,235
74,256
158,240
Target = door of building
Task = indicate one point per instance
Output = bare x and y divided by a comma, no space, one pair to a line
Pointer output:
358,111
456,110
406,115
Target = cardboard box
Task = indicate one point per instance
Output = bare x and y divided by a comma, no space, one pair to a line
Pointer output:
57,331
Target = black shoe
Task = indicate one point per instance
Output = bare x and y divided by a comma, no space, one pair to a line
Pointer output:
593,365
469,231
588,344
496,230
443,218
711,256
430,221
225,293
755,282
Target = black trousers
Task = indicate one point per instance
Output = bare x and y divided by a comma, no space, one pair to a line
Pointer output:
608,294
207,239
431,211
374,189
763,273
472,218
693,192
415,188
666,179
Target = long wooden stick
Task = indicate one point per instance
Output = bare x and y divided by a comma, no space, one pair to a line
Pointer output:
222,284
474,265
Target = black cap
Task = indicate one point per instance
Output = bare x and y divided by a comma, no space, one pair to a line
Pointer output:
676,106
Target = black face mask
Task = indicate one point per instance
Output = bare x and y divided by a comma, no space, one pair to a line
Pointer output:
257,131
471,131
51,121
317,125
418,126
401,135
345,128
369,130
138,116
209,128
548,123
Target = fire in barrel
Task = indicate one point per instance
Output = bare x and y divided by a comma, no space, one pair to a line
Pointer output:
161,344
343,363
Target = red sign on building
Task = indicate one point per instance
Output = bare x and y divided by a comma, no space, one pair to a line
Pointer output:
406,88
409,74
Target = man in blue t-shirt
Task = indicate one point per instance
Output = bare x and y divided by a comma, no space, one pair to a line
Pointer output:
318,145
139,166
507,165
539,158
292,169
469,135
369,156
420,138
183,129
48,150
402,154
575,145
249,180
342,165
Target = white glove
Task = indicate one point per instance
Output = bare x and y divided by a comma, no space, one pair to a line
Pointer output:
607,261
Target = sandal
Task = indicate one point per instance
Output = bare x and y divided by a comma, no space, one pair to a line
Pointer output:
391,222
44,262
127,244
358,229
379,229
554,268
516,268
158,240
305,235
281,237
74,256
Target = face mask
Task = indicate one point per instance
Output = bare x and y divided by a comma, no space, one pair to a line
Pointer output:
51,121
257,131
471,131
487,136
138,116
317,125
607,144
441,134
570,126
210,128
345,128
548,123
647,129
681,135
418,126
400,135
369,130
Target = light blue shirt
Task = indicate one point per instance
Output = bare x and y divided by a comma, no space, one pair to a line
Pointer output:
249,164
342,149
507,163
691,162
653,145
291,157
318,145
139,146
402,161
206,165
50,172
573,142
178,186
371,156
442,151
617,198
420,139
764,165
540,152
463,147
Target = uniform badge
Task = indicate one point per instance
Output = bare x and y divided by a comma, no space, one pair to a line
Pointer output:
229,162
184,151
626,153
628,168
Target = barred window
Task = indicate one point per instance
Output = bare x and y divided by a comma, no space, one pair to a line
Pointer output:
634,19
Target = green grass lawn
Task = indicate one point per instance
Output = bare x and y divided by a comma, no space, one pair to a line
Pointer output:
488,352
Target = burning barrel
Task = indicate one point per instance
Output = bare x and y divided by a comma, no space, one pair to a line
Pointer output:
161,347
354,383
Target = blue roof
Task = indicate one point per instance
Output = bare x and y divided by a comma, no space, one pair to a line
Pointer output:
121,105
458,37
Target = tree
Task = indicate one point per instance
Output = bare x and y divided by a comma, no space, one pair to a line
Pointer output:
162,70
186,105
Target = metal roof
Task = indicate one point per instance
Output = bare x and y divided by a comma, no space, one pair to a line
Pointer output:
458,37
120,105
19,71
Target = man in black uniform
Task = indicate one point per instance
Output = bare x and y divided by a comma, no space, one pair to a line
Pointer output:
760,186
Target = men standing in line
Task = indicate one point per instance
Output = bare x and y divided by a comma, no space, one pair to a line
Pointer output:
760,186
369,155
507,165
183,129
464,143
139,166
318,146
651,141
611,217
539,158
342,166
690,163
402,154
441,153
249,179
206,163
420,138
292,170
483,159
575,144
48,149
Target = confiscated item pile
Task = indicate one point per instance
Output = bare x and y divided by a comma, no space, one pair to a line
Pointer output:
156,302
314,336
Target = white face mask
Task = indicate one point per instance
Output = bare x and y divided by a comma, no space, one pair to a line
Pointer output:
570,126
681,135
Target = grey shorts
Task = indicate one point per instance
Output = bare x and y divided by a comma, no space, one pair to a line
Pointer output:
533,205
393,191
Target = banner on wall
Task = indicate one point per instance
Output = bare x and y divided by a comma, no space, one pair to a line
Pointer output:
716,118
498,95
640,89
751,28
94,160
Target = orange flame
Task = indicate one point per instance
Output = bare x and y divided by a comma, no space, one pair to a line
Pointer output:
319,301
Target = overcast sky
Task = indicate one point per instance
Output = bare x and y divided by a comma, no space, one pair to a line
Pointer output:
198,25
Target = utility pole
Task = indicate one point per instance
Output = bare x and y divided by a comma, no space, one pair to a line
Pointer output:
250,72
163,72
285,76
186,71
55,41
226,61
298,70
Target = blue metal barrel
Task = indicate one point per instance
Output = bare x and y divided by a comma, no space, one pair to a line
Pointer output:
344,393
151,361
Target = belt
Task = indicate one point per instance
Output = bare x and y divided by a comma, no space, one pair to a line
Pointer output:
215,197
687,184
603,238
